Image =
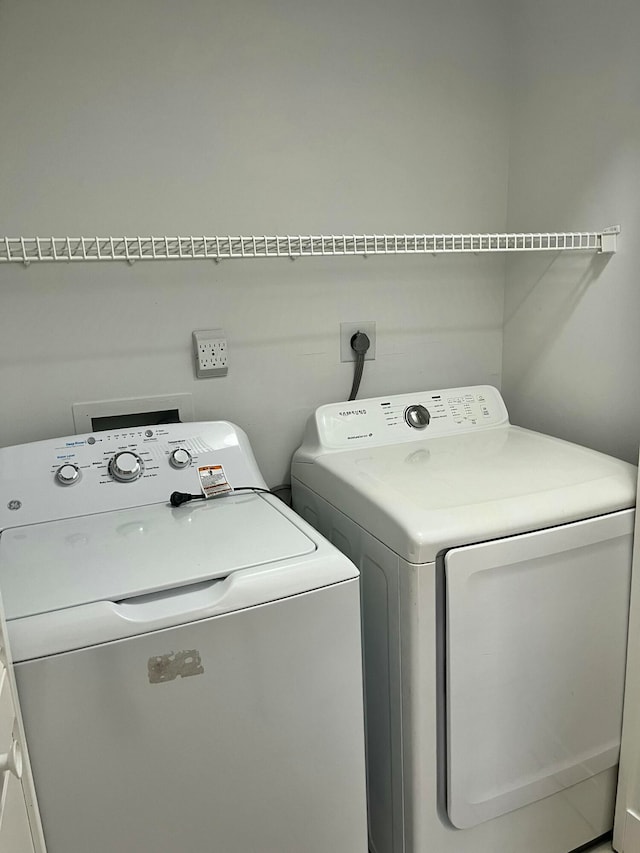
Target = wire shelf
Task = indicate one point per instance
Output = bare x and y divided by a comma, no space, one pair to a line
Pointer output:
27,249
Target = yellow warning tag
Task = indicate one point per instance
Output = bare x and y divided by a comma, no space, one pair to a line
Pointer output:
213,480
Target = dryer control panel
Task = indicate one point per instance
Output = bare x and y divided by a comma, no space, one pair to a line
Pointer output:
404,417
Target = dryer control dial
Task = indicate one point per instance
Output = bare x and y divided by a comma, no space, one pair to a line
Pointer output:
417,416
68,474
126,466
180,458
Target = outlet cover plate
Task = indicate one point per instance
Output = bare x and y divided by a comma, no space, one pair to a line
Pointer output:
348,330
210,353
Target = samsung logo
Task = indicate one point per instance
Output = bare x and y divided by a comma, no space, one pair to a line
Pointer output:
348,412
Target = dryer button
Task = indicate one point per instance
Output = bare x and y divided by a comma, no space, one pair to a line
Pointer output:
417,417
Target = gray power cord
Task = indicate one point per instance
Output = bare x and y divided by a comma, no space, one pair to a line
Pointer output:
360,343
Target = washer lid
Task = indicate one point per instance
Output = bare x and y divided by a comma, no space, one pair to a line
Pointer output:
423,496
118,555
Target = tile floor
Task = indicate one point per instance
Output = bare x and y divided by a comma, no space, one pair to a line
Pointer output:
600,848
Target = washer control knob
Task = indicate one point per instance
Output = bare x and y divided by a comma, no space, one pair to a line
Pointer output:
417,417
126,466
68,474
180,458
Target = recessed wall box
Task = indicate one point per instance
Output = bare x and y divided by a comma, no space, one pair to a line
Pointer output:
132,412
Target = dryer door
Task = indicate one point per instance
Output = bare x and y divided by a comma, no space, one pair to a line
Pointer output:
536,645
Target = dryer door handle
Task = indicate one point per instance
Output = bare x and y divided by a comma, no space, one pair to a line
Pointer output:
11,761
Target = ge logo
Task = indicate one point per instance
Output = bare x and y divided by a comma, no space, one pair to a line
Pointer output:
14,504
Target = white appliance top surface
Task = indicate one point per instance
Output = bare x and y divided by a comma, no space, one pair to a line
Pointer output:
125,553
467,483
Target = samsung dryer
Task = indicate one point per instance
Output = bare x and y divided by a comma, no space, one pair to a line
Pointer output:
495,568
190,676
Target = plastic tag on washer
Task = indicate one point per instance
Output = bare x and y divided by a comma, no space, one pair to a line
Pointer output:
213,480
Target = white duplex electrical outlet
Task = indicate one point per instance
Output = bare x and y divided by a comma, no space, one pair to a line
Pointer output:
348,330
210,352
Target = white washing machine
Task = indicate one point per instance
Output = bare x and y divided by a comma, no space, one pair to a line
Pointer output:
495,568
190,677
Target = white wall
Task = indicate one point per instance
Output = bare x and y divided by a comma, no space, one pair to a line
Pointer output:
267,116
626,829
571,340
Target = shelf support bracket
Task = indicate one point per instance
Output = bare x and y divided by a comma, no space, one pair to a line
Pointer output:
609,240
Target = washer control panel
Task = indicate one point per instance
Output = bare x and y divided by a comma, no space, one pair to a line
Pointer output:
122,457
406,417
83,474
